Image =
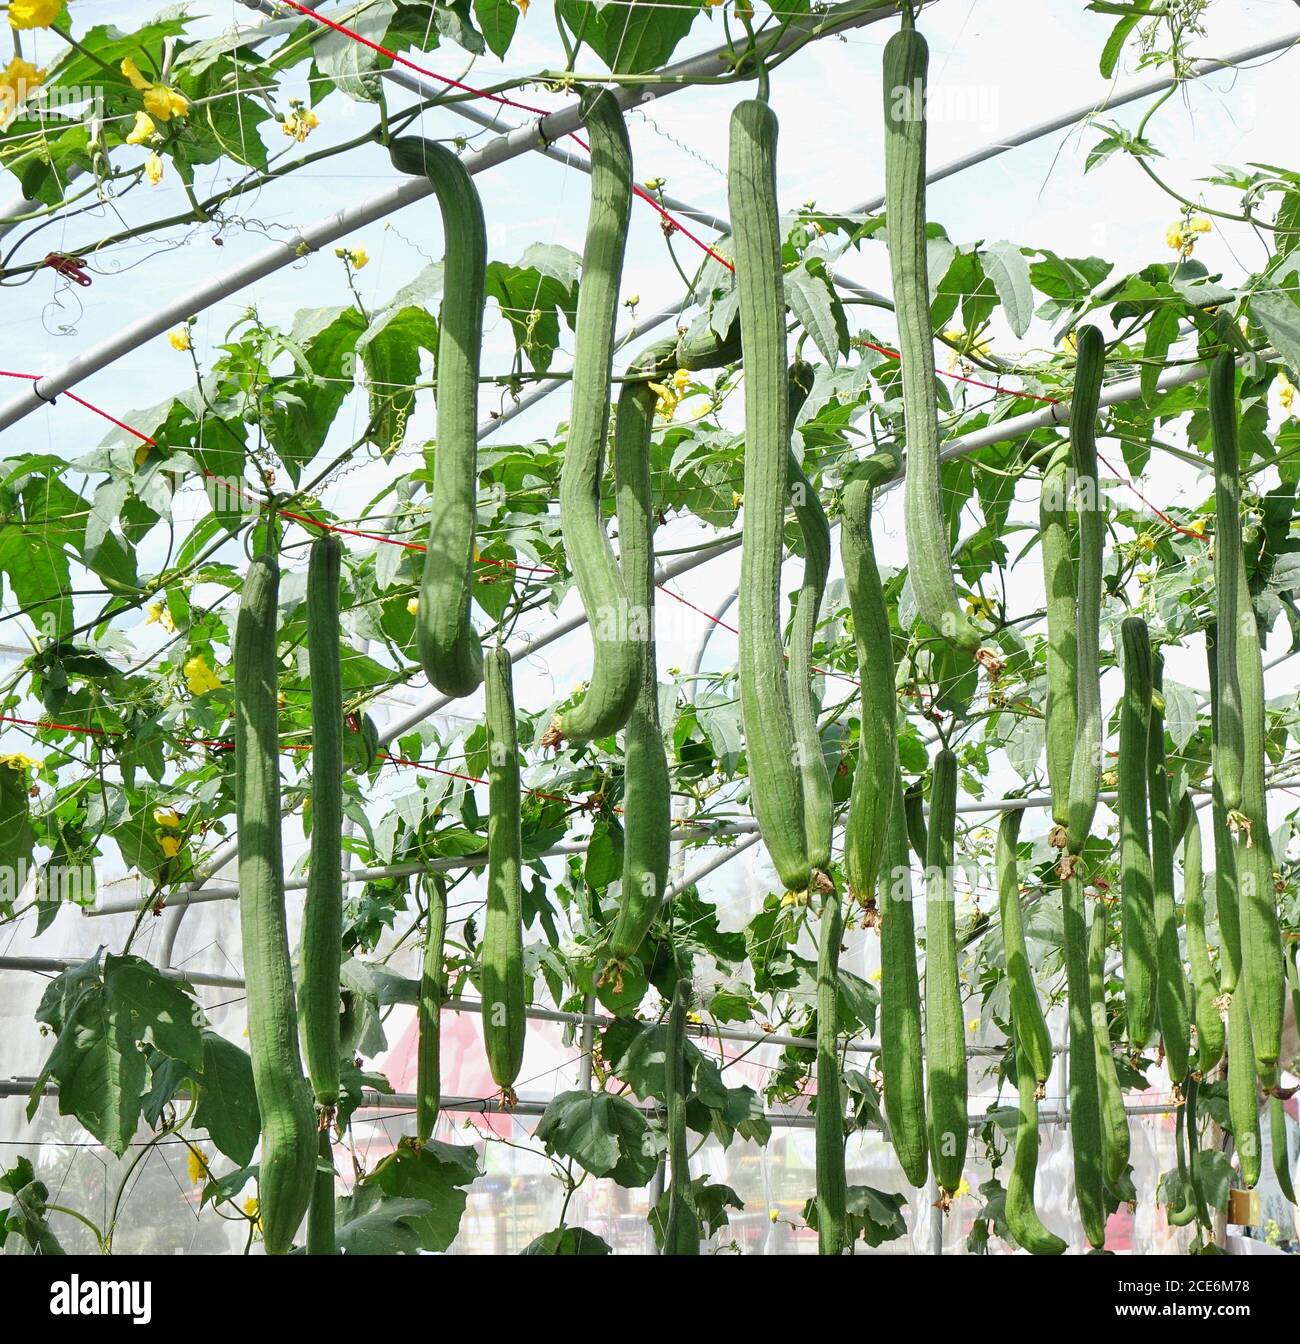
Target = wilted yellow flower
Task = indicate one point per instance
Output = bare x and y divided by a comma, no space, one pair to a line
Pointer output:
153,169
17,80
179,339
160,101
142,129
199,677
196,1166
168,817
33,13
169,844
413,606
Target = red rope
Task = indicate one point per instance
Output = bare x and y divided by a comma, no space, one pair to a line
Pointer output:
35,378
961,378
1164,517
503,102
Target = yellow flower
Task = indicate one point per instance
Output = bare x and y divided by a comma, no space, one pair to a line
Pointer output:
668,399
34,13
1197,526
142,129
18,761
17,80
196,1166
359,258
299,124
179,339
1175,237
159,100
199,677
973,1025
252,1208
655,184
681,380
1199,225
774,1215
153,169
167,817
413,606
962,1189
169,844
159,615
523,7
1071,342
1285,390
1147,542
980,606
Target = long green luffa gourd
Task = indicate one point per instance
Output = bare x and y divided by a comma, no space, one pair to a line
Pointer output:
609,699
449,646
765,698
287,1166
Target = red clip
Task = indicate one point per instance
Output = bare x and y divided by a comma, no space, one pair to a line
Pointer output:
73,268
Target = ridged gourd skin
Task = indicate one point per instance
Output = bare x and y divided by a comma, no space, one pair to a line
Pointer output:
1022,1215
1278,1143
875,776
1171,982
815,777
1085,771
776,786
929,556
1210,1036
1229,746
1062,634
502,976
449,647
320,1216
1181,1213
647,787
1031,1031
832,1182
1225,849
1115,1140
322,921
433,993
945,1031
1137,898
902,1052
287,1165
1243,1091
682,1225
608,701
1263,970
1084,1089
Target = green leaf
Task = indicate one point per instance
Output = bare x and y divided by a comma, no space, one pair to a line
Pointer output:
352,64
631,38
437,1176
497,19
1006,266
369,1224
604,1134
227,1105
1110,53
161,1012
568,1241
1161,334
1280,319
812,300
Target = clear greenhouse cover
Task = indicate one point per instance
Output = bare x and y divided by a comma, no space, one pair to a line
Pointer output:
1064,202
